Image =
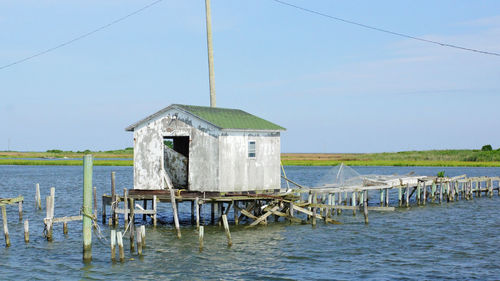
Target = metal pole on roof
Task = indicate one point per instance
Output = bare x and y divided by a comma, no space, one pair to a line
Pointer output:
210,54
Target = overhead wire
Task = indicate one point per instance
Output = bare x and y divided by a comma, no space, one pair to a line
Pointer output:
82,35
386,30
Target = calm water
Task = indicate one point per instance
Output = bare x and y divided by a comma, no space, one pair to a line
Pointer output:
450,241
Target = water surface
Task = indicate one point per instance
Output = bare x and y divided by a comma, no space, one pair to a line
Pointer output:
449,241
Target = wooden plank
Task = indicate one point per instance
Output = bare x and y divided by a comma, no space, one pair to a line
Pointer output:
370,208
10,201
264,216
63,219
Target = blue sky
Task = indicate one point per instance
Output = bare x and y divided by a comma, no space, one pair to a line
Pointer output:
335,87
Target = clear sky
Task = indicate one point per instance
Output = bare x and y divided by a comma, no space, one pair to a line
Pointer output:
335,87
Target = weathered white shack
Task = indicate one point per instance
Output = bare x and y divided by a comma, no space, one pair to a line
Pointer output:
214,149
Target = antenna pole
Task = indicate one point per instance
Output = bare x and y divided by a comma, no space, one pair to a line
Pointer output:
210,54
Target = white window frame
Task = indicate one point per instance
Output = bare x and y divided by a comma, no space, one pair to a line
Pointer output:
252,150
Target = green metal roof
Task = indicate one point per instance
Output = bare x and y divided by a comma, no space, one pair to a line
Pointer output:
226,118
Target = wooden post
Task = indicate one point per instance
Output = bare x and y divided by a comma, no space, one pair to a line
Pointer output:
38,198
94,195
113,244
490,188
174,209
132,225
333,204
139,242
65,228
339,211
48,216
418,193
20,205
114,215
212,213
440,193
192,212
197,211
119,240
87,207
387,197
143,235
365,206
200,237
313,217
53,192
236,213
400,196
353,203
226,228
381,197
433,192
5,226
125,208
425,192
154,208
26,231
145,206
290,210
407,195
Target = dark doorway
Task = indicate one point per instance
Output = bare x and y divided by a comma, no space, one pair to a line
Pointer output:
176,159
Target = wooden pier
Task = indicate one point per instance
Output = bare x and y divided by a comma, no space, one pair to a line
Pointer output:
303,204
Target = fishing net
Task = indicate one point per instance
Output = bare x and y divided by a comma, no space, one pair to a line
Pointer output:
341,176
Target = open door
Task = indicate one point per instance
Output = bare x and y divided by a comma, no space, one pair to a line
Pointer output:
176,158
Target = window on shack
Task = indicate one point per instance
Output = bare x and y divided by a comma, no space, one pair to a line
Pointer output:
251,149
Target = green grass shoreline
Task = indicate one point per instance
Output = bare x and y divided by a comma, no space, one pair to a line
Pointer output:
433,158
98,162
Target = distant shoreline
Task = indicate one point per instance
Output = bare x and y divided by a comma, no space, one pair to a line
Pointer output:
431,158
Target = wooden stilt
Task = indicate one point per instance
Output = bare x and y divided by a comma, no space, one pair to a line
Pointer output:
381,197
365,206
26,231
38,198
65,228
143,235
139,242
226,228
48,225
174,209
353,203
440,193
400,196
407,193
154,208
119,240
125,208
20,205
114,202
197,211
387,197
200,237
5,227
113,244
132,225
235,211
313,217
425,193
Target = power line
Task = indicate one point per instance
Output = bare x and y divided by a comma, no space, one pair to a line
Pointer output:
81,36
385,30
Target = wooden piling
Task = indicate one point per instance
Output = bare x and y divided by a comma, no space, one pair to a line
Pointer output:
440,193
5,227
400,196
125,207
425,193
174,209
365,206
236,213
119,240
139,241
418,193
65,228
381,197
26,231
197,211
353,203
38,198
87,207
20,206
114,202
49,217
143,235
407,195
200,237
226,228
132,225
154,208
113,244
433,191
387,197
313,217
